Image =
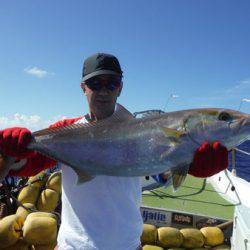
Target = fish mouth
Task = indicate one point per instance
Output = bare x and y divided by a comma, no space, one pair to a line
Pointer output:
246,122
241,125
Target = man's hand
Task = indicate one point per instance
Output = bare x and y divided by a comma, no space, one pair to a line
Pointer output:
14,142
209,159
5,166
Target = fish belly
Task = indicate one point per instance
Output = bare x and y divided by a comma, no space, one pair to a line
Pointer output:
135,157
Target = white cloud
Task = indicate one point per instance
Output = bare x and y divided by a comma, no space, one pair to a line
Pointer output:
245,100
35,71
241,87
32,122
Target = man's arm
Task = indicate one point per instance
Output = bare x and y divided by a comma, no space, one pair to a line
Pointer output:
33,165
14,142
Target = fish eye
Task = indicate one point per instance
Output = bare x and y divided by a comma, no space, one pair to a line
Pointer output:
224,116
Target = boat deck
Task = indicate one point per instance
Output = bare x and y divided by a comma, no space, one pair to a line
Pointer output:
195,196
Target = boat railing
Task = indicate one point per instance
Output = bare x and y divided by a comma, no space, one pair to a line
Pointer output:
234,150
242,151
234,172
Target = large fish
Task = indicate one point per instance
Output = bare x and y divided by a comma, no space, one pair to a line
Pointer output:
122,145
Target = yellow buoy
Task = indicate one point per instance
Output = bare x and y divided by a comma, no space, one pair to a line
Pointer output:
19,245
45,247
42,214
40,230
48,200
29,194
10,230
200,248
169,237
149,234
213,236
151,247
38,180
176,248
221,247
55,182
192,238
21,211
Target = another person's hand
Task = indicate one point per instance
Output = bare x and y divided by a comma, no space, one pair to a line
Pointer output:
160,178
14,142
209,159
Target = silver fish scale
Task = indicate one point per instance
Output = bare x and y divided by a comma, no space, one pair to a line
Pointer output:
138,147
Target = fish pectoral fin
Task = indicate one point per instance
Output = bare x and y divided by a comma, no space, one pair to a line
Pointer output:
178,175
168,151
82,177
121,114
170,132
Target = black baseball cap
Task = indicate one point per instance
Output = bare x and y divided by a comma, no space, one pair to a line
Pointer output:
100,64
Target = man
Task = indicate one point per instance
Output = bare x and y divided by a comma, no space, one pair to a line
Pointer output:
103,213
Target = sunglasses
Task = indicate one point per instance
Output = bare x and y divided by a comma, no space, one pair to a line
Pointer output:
96,84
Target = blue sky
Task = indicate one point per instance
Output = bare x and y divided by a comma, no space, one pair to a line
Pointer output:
196,49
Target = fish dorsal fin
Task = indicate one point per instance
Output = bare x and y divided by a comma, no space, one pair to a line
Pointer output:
178,176
120,114
148,113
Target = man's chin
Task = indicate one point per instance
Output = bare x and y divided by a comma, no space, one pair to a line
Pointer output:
104,103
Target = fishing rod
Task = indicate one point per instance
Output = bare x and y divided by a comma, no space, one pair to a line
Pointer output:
150,112
172,96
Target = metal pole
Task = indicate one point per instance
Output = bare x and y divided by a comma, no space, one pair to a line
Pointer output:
240,105
233,162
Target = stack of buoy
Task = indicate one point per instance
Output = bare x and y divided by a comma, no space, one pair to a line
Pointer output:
170,238
40,230
34,225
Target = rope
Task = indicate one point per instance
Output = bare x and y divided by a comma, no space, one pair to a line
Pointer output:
242,151
231,182
9,194
3,210
58,216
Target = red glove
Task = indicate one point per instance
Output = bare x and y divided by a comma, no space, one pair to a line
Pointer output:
14,141
35,164
209,160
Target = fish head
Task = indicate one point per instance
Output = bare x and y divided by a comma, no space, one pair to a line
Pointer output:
230,127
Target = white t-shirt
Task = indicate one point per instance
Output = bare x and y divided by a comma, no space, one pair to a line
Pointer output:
102,214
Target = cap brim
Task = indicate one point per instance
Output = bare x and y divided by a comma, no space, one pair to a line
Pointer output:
100,72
